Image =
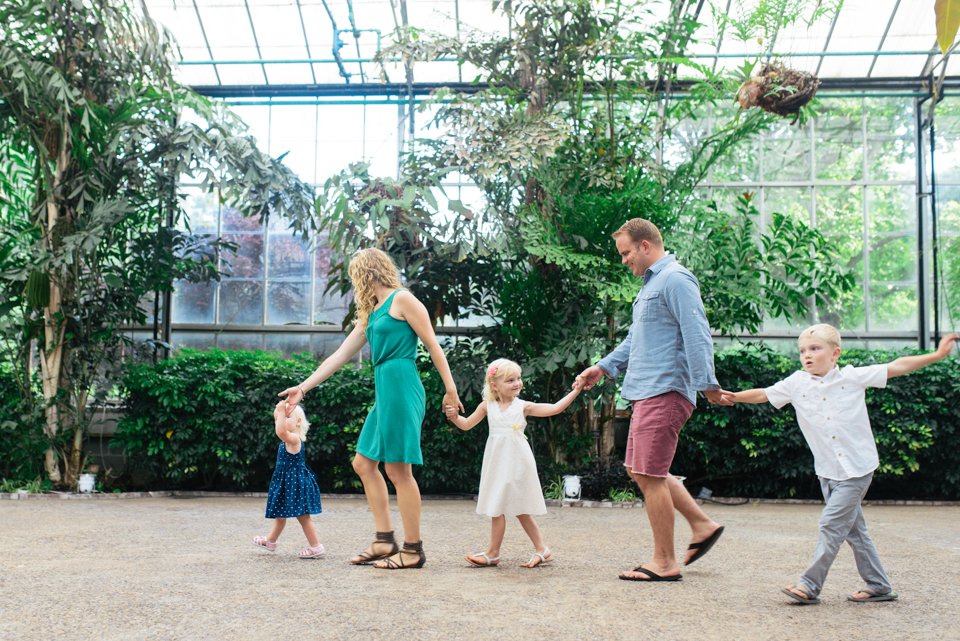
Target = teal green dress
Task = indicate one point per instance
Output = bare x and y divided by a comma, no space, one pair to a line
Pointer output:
391,432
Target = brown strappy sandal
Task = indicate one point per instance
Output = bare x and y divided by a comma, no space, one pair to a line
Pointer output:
408,548
366,558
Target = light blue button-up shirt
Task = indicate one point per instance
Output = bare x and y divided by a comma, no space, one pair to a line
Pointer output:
668,347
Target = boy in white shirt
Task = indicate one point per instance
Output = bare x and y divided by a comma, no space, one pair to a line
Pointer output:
832,415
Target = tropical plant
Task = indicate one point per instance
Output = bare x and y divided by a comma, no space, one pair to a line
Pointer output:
100,132
567,137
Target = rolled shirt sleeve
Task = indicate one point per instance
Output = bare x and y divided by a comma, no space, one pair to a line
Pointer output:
616,361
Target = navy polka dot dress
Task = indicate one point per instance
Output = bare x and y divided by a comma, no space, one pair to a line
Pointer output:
293,488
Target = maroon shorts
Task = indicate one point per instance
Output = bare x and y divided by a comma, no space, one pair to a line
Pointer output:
654,428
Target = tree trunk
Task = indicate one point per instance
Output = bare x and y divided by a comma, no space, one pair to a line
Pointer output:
608,433
51,354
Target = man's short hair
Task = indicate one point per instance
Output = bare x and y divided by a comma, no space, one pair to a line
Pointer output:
640,229
827,333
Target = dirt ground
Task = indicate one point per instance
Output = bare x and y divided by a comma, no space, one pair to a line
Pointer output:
184,568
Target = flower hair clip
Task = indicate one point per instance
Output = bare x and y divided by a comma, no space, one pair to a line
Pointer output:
492,371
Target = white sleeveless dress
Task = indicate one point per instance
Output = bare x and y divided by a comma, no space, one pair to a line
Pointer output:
509,484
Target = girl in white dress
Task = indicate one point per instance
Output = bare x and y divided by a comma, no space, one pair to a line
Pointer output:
509,485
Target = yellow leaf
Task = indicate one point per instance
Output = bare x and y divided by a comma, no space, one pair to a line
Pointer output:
948,20
169,433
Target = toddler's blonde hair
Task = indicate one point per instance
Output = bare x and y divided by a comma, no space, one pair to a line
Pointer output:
498,370
303,425
827,333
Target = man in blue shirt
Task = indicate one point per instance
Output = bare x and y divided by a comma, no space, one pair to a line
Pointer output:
667,357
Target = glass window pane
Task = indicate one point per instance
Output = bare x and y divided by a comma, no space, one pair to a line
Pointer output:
237,342
891,208
893,307
332,307
846,312
241,302
890,144
839,140
247,262
839,217
288,303
789,201
786,160
948,207
233,220
201,211
193,302
200,342
325,344
287,344
289,258
893,258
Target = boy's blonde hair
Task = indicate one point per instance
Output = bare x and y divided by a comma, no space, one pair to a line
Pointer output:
827,333
303,425
498,370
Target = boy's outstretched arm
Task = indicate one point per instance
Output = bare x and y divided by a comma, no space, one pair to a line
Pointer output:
757,395
552,409
907,364
465,422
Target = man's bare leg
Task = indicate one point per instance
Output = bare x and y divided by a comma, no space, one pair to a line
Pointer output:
701,524
659,504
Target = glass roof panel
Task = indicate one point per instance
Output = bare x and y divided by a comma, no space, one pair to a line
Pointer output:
279,32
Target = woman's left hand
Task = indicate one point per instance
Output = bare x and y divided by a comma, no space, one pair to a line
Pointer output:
452,399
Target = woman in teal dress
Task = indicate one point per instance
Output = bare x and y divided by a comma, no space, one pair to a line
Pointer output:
392,320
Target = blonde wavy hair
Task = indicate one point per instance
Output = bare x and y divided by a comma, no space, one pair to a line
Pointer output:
303,425
498,370
369,268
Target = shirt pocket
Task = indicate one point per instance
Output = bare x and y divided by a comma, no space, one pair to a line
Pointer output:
650,306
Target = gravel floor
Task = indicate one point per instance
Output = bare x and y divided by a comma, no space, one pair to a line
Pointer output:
184,568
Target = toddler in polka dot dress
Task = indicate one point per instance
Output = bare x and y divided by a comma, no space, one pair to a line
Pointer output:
293,488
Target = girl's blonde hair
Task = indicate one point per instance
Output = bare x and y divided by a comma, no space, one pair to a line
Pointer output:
303,425
498,370
369,268
827,333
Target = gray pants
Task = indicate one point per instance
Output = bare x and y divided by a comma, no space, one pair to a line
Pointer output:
842,520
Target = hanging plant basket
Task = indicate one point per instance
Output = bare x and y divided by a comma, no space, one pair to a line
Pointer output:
779,90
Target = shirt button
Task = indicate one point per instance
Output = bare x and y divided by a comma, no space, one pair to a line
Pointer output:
824,398
839,454
833,437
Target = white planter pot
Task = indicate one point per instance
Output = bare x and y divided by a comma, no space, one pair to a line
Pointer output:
88,483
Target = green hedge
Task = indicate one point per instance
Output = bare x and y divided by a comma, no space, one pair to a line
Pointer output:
203,420
22,442
759,451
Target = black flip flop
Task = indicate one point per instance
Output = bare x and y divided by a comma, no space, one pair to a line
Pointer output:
889,596
653,576
704,546
808,600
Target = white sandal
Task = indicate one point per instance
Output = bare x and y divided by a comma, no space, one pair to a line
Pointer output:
312,553
265,543
489,564
545,557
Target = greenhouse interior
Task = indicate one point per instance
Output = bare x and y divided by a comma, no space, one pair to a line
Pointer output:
216,163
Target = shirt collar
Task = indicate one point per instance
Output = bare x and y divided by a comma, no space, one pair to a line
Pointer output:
826,377
657,267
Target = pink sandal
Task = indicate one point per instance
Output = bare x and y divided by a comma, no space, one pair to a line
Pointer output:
312,553
264,542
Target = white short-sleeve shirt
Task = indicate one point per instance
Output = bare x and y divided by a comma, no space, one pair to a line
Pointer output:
832,415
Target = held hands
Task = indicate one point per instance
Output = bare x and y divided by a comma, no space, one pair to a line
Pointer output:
719,396
588,377
451,400
294,396
281,408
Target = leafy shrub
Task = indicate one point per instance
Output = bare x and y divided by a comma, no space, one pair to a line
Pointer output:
759,451
22,442
204,420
